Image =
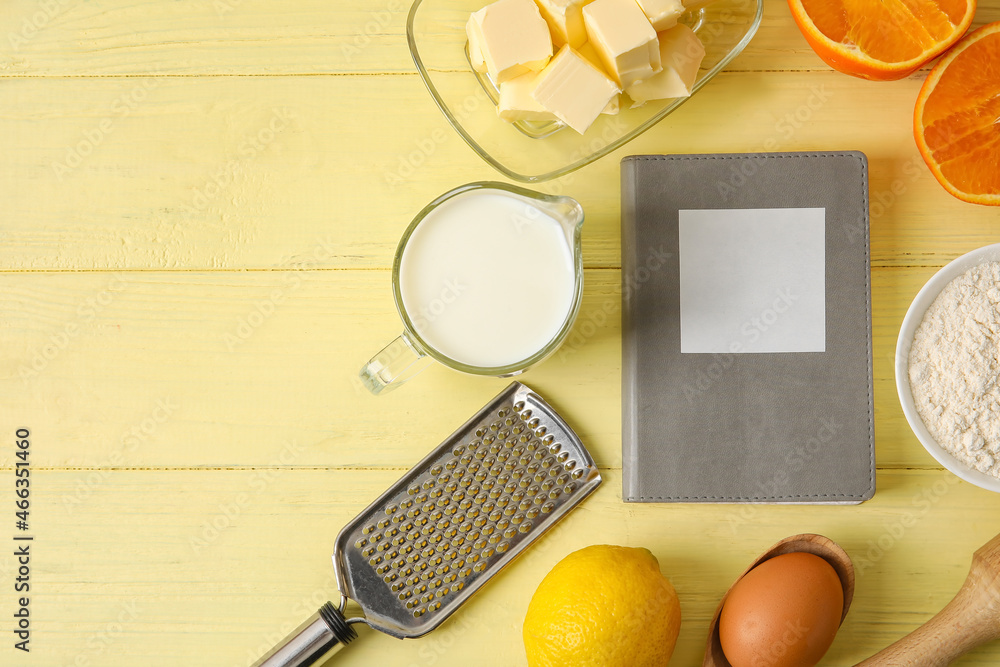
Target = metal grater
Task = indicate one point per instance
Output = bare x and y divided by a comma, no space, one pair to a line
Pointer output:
417,553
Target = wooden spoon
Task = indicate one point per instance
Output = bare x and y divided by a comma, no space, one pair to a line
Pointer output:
821,546
971,619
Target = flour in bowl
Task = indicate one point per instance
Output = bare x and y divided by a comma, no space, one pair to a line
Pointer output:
954,365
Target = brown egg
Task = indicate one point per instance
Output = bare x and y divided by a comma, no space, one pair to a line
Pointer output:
783,613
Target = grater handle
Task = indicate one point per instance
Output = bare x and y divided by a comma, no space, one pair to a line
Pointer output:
322,635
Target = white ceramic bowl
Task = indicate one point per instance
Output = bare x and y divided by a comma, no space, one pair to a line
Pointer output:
925,297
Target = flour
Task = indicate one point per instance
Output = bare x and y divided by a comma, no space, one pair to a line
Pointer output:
954,365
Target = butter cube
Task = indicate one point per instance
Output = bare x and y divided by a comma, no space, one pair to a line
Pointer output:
565,19
614,106
663,14
475,50
681,53
513,37
574,90
590,53
516,102
624,38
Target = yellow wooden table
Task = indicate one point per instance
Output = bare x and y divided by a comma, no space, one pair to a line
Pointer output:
197,219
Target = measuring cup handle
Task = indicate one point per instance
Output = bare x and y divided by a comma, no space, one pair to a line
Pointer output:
398,361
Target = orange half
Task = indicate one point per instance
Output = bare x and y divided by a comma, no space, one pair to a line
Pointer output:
957,119
881,40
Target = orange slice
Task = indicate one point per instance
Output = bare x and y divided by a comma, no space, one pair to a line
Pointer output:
957,119
881,40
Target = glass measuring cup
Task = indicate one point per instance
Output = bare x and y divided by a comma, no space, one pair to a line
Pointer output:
517,267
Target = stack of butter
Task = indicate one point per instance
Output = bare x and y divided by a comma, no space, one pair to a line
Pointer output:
603,48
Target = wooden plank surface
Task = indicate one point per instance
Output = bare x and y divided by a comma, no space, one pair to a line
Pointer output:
199,205
241,364
167,567
241,37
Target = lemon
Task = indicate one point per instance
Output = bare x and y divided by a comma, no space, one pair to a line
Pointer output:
603,606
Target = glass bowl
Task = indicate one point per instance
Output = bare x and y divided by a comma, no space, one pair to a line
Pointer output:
533,152
914,316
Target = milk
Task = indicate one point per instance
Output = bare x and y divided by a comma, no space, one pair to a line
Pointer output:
487,278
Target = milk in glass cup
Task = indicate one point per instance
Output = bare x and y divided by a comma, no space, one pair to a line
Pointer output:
487,280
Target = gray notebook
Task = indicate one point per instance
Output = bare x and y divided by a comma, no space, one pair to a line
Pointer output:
746,329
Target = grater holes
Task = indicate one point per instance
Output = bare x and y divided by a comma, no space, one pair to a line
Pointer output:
548,439
367,530
577,474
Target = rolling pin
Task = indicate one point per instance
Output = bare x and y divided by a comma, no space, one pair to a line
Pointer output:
971,619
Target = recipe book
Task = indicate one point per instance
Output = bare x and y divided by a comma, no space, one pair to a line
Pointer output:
746,329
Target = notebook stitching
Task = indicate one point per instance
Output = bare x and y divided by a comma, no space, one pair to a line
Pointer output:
871,420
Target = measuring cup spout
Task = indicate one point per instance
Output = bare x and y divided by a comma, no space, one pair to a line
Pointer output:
569,213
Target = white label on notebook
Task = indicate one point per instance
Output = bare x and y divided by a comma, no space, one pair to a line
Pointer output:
753,280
